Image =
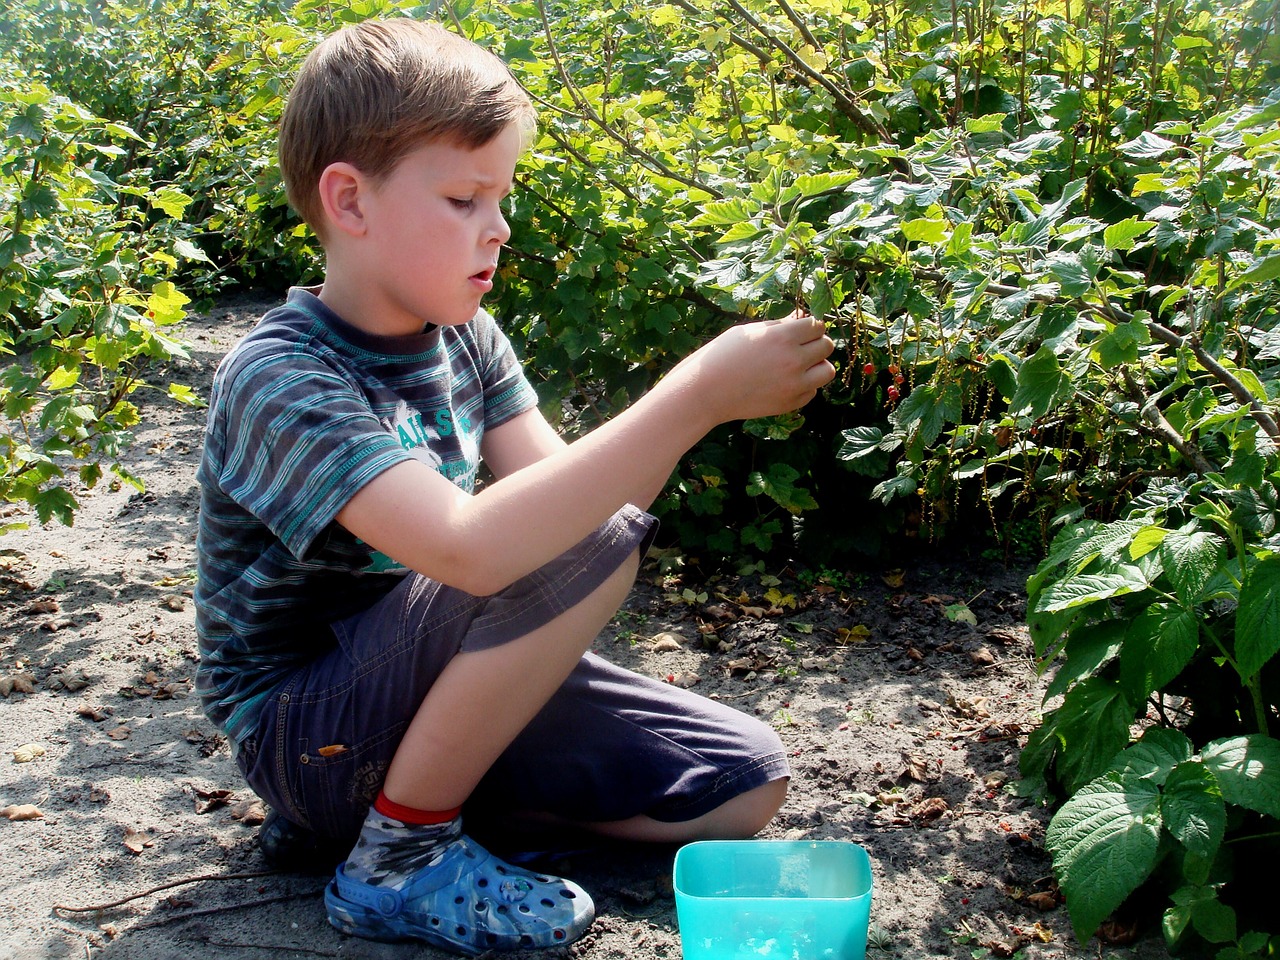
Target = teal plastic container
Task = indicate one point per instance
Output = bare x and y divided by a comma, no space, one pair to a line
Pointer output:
773,900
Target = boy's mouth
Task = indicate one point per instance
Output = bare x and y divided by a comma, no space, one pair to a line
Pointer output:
484,279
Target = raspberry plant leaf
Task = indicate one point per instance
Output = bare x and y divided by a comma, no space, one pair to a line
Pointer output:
1105,842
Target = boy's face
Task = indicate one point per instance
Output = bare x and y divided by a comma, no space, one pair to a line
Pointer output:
436,228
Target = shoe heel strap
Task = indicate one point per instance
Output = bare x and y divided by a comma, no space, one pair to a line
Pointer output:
387,903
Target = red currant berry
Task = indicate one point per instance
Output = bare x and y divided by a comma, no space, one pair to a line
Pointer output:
893,369
893,393
898,379
868,369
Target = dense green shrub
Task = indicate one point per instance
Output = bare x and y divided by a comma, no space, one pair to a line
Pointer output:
1043,236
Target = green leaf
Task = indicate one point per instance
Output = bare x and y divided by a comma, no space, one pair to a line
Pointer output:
1258,619
1123,235
1248,771
1041,384
1146,540
1193,810
1089,588
1160,642
864,441
1090,728
929,407
1155,756
1191,558
991,123
171,200
1147,146
778,484
185,395
1104,841
925,231
189,251
1260,272
1088,649
55,503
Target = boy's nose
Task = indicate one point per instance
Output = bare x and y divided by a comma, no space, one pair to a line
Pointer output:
501,230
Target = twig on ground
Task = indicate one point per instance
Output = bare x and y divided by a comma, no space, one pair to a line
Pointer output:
91,908
205,911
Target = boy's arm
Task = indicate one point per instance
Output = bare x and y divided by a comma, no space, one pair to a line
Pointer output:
520,441
483,543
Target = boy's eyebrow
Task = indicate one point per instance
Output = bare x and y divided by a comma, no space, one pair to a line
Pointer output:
490,183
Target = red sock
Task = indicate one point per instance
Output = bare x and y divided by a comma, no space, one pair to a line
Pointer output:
389,808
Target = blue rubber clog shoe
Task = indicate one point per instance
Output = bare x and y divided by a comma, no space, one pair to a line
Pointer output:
468,902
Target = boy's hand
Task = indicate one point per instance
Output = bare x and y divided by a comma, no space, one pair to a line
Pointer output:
761,369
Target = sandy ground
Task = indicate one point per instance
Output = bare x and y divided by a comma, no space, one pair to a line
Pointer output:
904,726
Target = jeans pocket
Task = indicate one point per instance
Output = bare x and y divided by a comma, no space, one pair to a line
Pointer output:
337,782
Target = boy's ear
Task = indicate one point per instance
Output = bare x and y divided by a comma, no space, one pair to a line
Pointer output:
342,188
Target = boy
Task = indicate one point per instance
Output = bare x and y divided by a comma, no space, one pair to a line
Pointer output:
373,629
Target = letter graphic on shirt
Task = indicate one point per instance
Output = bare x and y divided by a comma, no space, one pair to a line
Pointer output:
413,434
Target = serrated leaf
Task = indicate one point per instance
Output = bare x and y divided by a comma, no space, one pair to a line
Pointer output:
1147,146
1260,272
1248,771
863,441
1160,642
1090,728
1155,756
1041,383
1090,587
171,200
1191,557
1146,540
991,123
1105,842
1123,235
725,212
1088,649
1258,618
1193,810
925,231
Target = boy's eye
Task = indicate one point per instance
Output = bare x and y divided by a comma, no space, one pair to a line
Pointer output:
462,204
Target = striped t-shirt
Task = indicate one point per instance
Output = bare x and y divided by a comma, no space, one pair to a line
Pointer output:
304,412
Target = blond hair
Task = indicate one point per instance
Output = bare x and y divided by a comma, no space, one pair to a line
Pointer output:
372,93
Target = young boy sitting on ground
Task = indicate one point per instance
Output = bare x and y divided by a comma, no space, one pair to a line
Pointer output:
382,643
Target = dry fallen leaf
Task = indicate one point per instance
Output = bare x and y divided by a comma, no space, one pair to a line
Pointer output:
893,579
120,733
27,752
855,634
917,767
176,603
96,714
42,607
685,679
207,800
75,681
17,683
982,656
21,811
135,840
1043,901
332,750
249,812
666,643
930,809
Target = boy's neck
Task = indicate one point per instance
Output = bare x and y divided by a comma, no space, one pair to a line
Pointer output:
343,298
